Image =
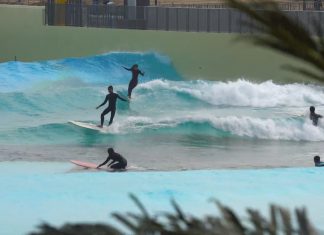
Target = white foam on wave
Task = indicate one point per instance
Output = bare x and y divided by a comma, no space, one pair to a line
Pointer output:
284,129
243,126
244,93
136,124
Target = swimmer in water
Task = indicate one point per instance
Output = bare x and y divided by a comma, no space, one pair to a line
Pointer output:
317,161
314,116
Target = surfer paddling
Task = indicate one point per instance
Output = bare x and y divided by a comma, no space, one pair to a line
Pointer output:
133,82
314,116
112,98
118,162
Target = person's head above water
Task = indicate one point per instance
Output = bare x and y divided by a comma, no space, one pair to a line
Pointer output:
312,109
135,67
110,89
111,150
317,159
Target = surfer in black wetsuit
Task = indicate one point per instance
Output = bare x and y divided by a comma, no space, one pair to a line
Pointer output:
314,116
317,161
133,82
112,98
118,162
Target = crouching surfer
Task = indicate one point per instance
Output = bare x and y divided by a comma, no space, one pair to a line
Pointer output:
118,161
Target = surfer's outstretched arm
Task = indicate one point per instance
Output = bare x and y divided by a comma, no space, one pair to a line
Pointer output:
141,73
127,68
105,101
118,96
102,164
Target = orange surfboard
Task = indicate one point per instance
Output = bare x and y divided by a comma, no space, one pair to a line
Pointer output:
85,164
90,165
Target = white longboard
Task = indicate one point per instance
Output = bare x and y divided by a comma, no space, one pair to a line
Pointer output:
90,126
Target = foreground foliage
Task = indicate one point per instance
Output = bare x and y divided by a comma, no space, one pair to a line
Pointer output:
280,222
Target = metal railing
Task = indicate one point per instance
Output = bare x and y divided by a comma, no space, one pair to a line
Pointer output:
225,20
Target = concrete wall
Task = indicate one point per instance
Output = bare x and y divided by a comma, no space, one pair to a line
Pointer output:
195,55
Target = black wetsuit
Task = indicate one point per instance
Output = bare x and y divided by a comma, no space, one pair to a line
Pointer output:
314,117
112,98
118,162
133,82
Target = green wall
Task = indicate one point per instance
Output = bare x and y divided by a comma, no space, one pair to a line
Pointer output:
195,55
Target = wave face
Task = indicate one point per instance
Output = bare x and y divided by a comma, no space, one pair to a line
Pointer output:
167,113
101,69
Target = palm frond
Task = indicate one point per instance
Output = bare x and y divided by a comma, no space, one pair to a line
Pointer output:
180,223
280,32
305,72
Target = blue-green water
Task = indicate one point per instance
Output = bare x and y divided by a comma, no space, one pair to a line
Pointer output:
171,123
35,192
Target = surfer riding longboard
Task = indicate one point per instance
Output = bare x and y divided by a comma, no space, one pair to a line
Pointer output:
112,98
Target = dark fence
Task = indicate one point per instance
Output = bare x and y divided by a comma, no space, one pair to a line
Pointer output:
306,5
290,5
225,20
24,2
